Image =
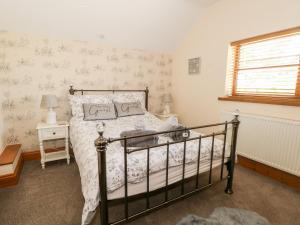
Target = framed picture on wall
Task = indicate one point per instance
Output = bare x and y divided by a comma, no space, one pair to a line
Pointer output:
194,66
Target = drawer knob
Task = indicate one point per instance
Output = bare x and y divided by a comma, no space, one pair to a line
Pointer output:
54,133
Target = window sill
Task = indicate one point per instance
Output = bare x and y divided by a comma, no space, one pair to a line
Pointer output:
289,101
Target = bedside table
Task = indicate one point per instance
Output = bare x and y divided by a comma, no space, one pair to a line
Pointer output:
165,116
48,132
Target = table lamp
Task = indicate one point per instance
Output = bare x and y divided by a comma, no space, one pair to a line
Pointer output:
167,100
49,102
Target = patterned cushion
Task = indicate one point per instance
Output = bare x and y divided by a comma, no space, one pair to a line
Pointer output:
129,108
129,97
94,111
77,101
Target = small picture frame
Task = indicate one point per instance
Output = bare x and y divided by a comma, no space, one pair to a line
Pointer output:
194,66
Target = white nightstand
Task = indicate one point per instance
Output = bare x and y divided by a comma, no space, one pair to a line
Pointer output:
48,132
165,116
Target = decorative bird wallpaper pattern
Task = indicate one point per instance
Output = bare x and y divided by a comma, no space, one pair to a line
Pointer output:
32,66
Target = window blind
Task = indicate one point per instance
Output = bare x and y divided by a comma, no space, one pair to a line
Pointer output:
266,65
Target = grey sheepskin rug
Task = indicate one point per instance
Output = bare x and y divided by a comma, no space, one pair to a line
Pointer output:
226,216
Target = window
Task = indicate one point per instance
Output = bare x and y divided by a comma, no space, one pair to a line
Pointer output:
265,69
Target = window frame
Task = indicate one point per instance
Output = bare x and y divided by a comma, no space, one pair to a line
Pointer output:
293,100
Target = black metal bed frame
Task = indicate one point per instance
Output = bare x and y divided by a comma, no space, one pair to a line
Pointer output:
101,144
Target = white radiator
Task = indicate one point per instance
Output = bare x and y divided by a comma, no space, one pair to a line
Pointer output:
271,141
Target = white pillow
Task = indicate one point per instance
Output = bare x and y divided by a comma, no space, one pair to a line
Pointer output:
126,97
168,124
77,102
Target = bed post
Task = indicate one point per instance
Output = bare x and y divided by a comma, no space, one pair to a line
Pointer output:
146,97
231,163
71,90
101,145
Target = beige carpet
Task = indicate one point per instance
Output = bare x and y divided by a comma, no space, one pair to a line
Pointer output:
53,197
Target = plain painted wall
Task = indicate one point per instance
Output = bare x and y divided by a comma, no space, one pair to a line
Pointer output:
134,24
196,96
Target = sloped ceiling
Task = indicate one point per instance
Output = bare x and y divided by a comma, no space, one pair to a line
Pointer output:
157,25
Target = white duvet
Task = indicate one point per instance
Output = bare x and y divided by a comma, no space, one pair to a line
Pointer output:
83,134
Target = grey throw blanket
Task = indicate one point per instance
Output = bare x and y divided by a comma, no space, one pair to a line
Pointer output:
140,141
178,135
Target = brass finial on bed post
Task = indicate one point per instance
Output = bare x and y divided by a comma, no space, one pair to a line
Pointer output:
101,144
236,117
71,90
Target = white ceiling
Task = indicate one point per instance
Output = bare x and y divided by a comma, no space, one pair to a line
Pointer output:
157,25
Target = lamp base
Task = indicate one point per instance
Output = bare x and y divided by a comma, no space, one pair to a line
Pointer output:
51,117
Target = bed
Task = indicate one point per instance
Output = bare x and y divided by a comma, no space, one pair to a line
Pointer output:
124,173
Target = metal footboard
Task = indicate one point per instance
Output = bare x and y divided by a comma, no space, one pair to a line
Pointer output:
101,145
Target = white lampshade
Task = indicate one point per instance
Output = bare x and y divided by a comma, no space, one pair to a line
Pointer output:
49,101
167,98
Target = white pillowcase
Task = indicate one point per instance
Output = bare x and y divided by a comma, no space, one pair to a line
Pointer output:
168,124
77,102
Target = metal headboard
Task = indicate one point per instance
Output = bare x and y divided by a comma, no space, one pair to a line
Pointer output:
72,91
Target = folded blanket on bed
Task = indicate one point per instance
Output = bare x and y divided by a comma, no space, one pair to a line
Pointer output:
140,141
180,134
171,124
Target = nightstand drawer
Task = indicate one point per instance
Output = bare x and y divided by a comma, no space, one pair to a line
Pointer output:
53,133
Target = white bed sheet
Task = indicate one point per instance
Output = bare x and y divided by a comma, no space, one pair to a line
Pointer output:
82,135
158,180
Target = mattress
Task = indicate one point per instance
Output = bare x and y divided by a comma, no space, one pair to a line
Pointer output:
83,134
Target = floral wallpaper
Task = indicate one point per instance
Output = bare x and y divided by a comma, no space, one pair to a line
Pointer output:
1,134
31,67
